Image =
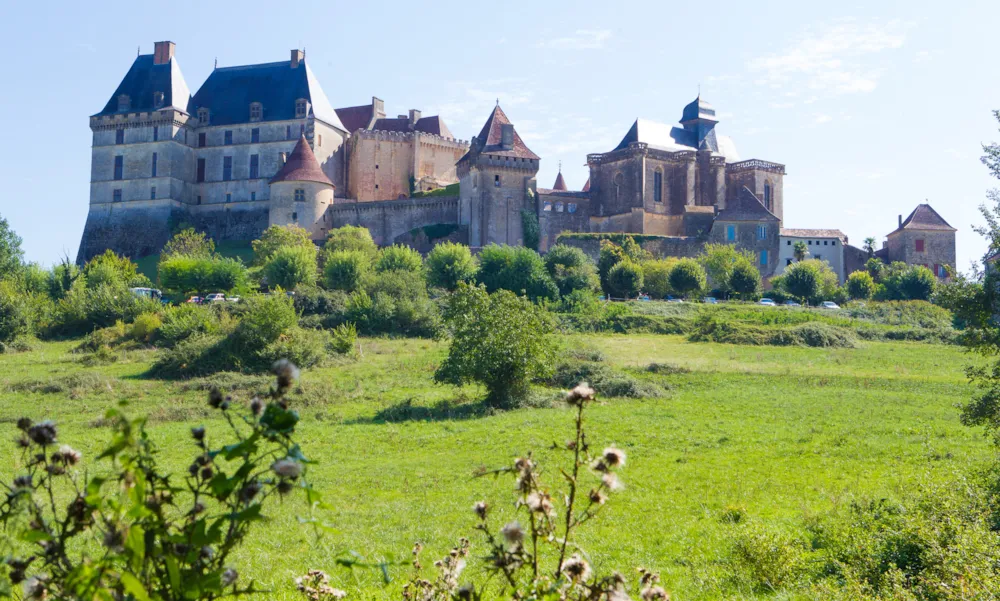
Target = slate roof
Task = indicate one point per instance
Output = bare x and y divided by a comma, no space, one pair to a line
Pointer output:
924,217
807,233
745,207
676,139
228,92
143,79
560,183
489,138
428,125
356,117
301,166
698,109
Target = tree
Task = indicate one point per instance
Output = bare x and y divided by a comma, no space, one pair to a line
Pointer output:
625,280
802,280
745,279
687,277
800,251
571,269
182,275
190,243
875,268
656,276
345,269
350,237
908,282
398,257
112,269
11,254
869,246
517,269
529,225
448,264
499,340
62,278
860,285
15,313
291,266
277,237
613,252
718,261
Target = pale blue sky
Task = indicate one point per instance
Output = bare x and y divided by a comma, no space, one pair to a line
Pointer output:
873,106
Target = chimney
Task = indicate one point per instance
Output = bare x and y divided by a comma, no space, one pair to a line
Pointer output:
163,52
507,136
378,107
900,221
297,57
414,117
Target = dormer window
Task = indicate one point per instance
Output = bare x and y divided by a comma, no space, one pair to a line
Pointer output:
301,105
203,116
124,102
256,111
157,100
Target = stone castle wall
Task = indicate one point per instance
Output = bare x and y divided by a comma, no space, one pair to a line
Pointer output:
658,246
389,220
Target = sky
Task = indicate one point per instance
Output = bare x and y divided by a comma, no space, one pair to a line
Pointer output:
873,106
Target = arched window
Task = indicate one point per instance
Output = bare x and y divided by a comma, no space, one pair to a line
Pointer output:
157,100
767,196
124,102
658,186
203,116
300,108
256,111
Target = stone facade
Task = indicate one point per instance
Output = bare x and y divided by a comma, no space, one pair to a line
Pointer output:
383,164
823,245
923,238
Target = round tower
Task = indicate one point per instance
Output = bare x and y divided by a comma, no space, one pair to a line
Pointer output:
301,192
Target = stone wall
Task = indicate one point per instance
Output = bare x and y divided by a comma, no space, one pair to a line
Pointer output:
938,248
382,163
135,229
561,212
388,220
658,246
765,250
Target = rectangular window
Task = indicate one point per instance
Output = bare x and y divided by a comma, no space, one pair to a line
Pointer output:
201,140
789,243
288,132
761,232
228,138
156,133
300,195
199,200
833,243
302,129
227,169
818,257
254,166
229,197
763,258
119,166
116,195
201,171
295,216
152,193
496,181
119,136
255,135
788,261
658,186
730,233
153,168
825,242
253,196
920,246
320,143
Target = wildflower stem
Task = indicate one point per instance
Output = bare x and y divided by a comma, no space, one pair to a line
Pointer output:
572,486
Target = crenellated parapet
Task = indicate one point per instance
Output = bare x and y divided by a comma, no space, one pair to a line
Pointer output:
755,165
406,136
139,119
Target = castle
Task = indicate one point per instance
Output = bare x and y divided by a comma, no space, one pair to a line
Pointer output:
261,145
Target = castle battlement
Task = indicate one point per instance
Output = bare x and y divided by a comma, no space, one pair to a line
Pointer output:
399,136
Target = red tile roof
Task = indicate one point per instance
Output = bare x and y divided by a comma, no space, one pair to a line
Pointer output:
490,137
560,183
355,117
586,186
301,166
925,218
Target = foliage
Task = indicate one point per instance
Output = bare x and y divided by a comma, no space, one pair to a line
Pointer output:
291,266
277,237
398,258
625,280
11,255
869,247
714,327
517,269
448,264
718,261
614,251
767,559
744,280
15,313
802,280
571,269
532,232
350,238
183,275
62,278
875,267
112,270
499,340
181,322
907,282
860,285
343,338
605,380
34,279
135,531
800,251
189,242
145,327
687,277
84,309
656,277
346,269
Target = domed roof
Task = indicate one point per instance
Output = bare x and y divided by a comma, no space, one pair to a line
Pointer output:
301,166
698,109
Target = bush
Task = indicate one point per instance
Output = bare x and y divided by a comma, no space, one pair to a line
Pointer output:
860,285
15,313
183,275
398,258
625,280
715,328
265,319
110,269
343,339
450,263
719,261
84,309
615,251
189,242
499,340
278,237
345,269
687,277
908,282
350,238
571,269
145,327
656,277
181,322
517,269
310,300
802,280
744,280
767,559
605,380
291,266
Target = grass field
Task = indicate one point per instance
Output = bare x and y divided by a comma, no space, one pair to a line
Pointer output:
786,433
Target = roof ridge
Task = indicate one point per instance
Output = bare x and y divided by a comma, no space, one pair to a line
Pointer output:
239,67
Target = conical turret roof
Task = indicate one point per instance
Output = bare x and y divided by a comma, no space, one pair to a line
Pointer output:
560,183
301,166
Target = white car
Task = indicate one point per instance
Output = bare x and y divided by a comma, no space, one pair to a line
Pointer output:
766,302
830,305
216,297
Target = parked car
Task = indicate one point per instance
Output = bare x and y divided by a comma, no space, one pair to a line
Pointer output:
830,305
672,299
215,297
146,293
643,297
197,300
767,302
710,300
791,303
233,299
